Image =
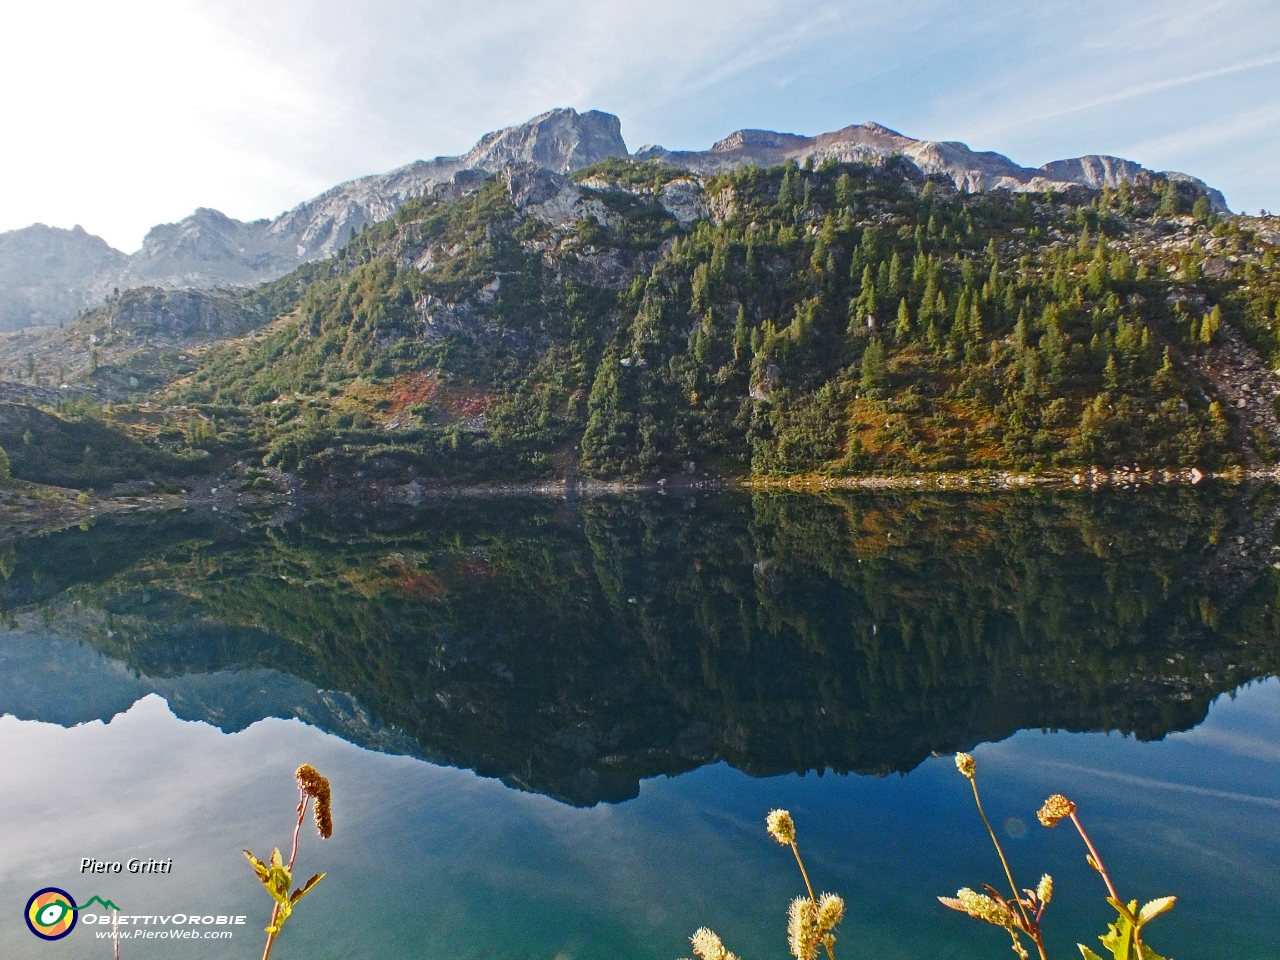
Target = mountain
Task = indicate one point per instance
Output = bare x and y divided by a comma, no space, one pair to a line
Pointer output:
209,249
637,320
967,169
44,280
44,271
48,275
578,648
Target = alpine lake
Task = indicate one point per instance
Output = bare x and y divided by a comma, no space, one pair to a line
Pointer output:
554,727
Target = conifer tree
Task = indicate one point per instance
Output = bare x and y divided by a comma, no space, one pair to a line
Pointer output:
1111,373
902,329
875,372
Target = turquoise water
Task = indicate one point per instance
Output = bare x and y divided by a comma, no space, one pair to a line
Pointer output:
430,861
637,684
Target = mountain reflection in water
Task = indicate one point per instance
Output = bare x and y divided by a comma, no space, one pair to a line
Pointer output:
575,648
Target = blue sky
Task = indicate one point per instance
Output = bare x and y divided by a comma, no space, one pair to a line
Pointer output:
118,116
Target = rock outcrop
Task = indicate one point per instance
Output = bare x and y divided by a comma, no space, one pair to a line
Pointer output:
48,275
43,273
967,169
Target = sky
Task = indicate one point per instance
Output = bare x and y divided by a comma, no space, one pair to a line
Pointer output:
121,115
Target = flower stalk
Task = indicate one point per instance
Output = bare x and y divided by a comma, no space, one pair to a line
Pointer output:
275,876
1019,914
810,922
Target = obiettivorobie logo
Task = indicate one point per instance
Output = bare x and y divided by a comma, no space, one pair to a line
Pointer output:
51,913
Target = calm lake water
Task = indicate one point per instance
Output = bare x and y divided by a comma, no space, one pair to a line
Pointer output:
553,729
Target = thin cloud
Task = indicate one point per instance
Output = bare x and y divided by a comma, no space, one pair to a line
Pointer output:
134,114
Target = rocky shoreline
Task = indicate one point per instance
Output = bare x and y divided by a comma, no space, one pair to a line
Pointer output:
25,507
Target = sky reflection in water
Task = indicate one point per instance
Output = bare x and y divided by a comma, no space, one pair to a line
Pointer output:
595,652
433,861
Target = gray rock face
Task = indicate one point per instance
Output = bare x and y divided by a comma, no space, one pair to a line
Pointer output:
48,275
560,140
548,196
207,249
966,168
43,271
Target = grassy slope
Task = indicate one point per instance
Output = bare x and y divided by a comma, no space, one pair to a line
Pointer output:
832,321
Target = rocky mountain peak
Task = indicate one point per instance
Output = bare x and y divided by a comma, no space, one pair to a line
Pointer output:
745,139
561,140
47,275
875,128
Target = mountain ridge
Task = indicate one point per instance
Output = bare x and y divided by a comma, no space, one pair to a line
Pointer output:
210,250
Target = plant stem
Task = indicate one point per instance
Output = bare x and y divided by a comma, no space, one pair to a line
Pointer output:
1009,873
302,813
293,856
1097,860
1106,878
1031,928
271,937
804,873
808,886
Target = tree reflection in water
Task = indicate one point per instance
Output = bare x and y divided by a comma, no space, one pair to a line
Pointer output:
574,648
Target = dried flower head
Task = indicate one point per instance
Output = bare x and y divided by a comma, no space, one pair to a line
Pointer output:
781,827
1054,809
830,912
708,946
317,787
965,764
981,907
1044,890
801,935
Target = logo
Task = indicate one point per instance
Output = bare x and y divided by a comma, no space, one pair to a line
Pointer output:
51,913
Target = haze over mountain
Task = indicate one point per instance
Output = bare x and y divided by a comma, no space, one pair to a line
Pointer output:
47,275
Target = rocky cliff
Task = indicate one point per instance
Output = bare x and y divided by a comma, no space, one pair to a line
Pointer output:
48,275
43,273
966,168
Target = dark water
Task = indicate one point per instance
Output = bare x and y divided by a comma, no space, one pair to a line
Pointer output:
636,682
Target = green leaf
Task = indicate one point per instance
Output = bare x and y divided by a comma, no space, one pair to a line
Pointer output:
306,888
281,915
278,884
1087,953
1119,938
259,867
1154,908
1150,954
1128,912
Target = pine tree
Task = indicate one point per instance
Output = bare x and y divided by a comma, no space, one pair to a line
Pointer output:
961,321
1209,325
875,372
844,190
975,322
605,440
895,275
785,190
902,329
1111,374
